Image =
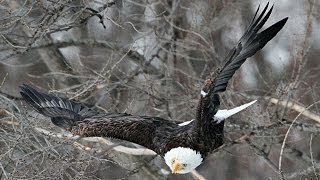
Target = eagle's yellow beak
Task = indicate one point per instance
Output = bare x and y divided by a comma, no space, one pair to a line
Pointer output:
175,167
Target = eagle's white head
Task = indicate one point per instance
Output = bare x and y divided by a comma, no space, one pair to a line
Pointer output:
182,160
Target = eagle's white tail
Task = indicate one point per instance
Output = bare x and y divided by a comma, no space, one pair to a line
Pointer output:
225,113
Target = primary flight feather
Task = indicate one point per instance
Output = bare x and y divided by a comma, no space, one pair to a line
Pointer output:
184,146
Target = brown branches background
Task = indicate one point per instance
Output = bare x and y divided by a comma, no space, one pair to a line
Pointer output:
151,58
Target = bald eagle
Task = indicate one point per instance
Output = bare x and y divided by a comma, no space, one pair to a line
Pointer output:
183,146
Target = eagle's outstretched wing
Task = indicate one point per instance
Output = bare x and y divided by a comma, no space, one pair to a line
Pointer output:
248,45
81,120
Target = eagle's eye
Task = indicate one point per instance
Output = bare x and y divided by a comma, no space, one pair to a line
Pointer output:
173,160
184,165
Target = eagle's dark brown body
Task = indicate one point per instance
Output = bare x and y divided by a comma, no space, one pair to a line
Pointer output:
163,134
204,134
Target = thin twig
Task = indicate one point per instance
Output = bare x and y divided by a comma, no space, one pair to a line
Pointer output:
285,139
312,160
